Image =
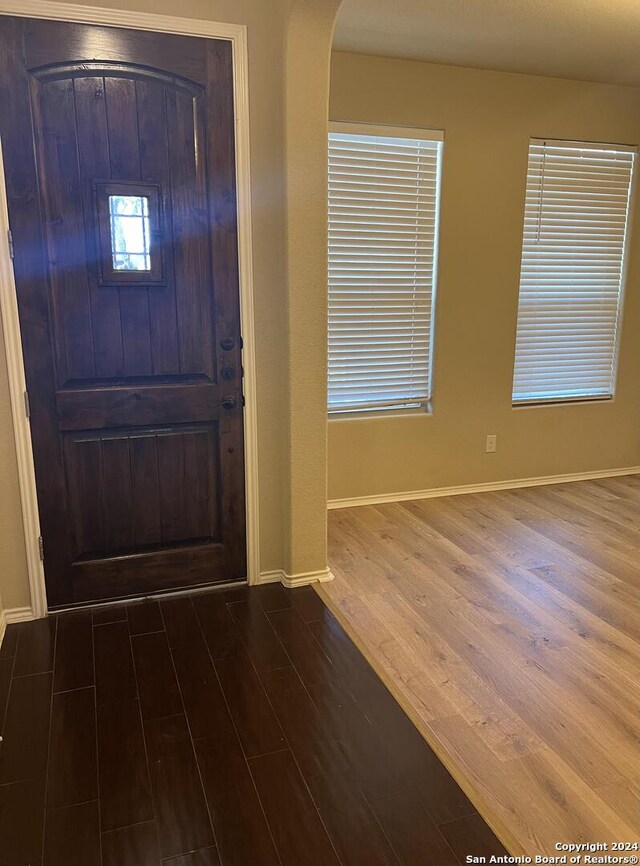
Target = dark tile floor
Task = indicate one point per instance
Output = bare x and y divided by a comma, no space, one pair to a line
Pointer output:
238,727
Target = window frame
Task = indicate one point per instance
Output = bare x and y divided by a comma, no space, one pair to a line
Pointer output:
422,406
580,399
107,275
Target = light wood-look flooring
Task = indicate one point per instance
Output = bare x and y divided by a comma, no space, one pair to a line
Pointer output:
508,625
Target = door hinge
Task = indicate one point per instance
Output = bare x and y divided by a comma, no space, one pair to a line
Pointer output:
41,548
10,242
27,407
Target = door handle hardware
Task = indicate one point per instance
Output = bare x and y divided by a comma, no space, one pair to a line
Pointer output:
228,373
227,343
228,402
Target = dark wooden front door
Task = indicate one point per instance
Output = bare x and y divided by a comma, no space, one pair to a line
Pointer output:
119,159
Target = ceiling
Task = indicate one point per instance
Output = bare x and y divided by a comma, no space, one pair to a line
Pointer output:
594,40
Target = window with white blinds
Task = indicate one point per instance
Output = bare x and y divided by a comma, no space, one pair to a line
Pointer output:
571,281
383,227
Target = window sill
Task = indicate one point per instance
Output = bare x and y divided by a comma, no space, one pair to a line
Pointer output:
562,401
377,414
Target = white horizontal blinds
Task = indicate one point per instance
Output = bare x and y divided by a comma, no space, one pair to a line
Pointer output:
576,213
383,202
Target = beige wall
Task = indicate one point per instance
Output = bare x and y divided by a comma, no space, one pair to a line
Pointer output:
488,118
309,37
14,587
289,258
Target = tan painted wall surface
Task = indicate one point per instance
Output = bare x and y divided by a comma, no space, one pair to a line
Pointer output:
285,437
488,118
309,39
14,586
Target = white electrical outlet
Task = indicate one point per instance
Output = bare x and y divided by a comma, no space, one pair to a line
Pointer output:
492,444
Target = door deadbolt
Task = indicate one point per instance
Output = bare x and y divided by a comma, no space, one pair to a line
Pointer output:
227,343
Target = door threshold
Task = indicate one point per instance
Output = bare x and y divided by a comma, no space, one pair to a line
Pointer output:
172,593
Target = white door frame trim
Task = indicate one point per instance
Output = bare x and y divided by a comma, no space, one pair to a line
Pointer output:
21,429
237,35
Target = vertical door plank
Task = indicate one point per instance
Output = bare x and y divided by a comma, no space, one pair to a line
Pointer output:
172,487
208,454
190,231
134,308
122,122
222,194
145,489
83,458
232,493
154,168
93,151
200,479
65,230
117,498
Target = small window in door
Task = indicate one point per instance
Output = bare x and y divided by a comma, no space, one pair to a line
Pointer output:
129,235
130,241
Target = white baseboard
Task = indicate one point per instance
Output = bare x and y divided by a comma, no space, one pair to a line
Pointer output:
291,581
18,614
481,488
13,614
